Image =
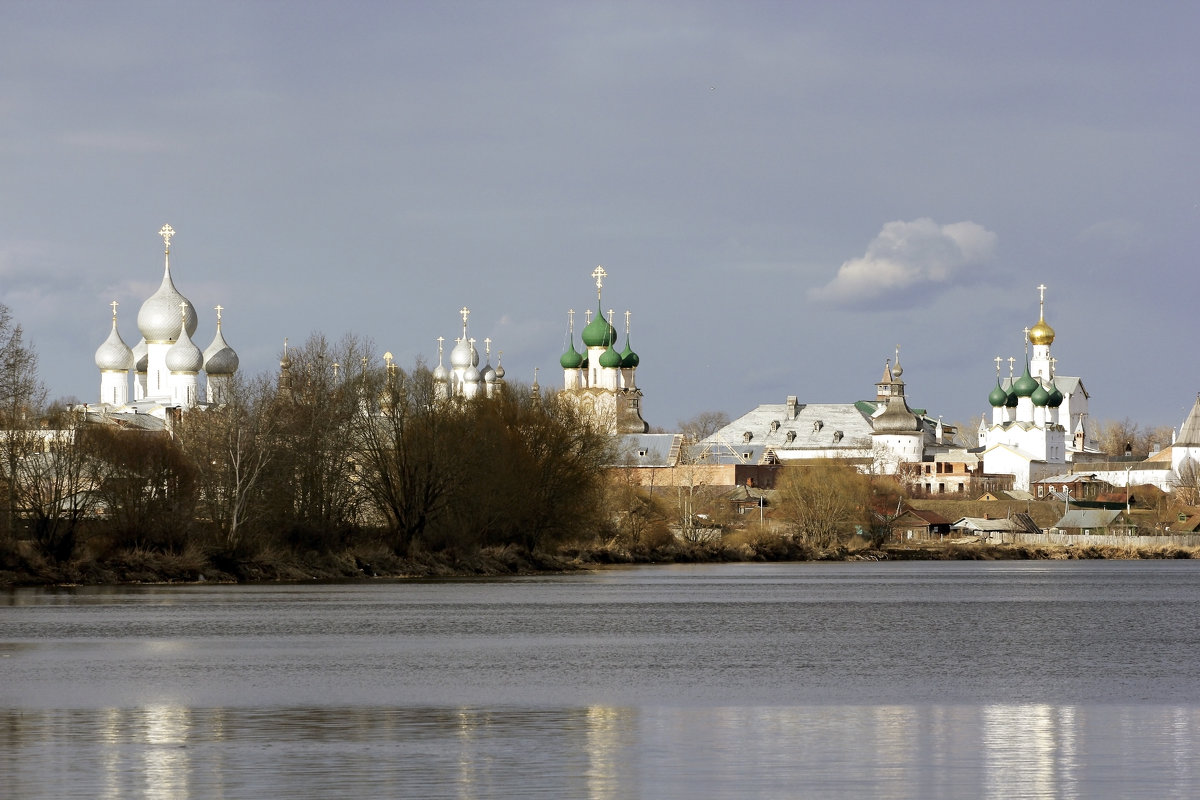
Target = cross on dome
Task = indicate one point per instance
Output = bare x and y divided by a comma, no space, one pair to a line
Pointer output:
166,232
114,305
627,316
571,320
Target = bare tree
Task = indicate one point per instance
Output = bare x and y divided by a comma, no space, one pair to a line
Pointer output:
703,425
312,489
57,488
410,445
822,503
22,398
231,447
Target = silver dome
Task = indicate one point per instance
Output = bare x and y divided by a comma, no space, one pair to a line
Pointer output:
220,358
158,318
114,355
463,355
184,356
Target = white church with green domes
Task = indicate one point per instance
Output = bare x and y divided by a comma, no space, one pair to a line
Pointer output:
1040,418
602,381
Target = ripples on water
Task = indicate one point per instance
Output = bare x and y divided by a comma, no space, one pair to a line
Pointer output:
900,681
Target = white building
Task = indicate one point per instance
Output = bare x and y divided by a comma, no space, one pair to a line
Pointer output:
168,368
601,381
880,435
1040,419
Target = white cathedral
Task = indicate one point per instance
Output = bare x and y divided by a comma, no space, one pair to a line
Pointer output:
1039,419
166,366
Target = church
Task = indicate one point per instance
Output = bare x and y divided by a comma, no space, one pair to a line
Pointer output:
1039,419
166,369
602,381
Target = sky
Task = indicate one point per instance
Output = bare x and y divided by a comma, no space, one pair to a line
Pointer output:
781,193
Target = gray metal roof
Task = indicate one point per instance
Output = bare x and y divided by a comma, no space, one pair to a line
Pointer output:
648,449
816,427
1087,518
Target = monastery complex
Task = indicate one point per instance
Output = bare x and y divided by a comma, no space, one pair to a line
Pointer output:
1037,431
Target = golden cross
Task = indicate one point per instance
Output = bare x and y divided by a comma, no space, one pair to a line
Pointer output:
166,232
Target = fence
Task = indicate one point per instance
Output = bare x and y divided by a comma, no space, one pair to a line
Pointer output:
1167,540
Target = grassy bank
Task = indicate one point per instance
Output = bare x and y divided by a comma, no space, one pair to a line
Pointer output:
21,566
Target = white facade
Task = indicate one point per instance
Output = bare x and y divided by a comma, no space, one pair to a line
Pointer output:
166,368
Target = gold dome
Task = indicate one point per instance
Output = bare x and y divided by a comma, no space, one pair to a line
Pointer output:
1041,333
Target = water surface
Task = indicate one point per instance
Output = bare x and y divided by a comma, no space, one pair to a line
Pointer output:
928,679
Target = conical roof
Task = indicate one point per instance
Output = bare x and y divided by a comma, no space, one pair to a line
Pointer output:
1189,433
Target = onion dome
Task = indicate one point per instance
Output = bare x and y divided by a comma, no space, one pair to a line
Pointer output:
629,359
440,373
1025,385
220,358
471,375
1055,398
463,355
184,356
1011,401
1041,333
114,355
599,333
159,317
998,397
141,356
499,372
571,359
487,373
610,358
1040,396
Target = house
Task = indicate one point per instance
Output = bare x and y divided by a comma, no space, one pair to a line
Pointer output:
1079,485
1095,522
915,523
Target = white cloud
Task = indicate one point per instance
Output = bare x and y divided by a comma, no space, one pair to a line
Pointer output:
910,258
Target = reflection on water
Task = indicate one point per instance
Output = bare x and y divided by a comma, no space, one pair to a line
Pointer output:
601,753
930,680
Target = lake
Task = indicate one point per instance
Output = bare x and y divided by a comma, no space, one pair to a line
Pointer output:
1044,679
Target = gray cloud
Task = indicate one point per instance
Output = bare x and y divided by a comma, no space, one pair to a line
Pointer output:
908,258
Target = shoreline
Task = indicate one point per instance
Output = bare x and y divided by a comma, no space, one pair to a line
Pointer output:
134,568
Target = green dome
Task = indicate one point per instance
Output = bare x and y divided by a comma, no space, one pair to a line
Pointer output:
1040,396
629,359
610,358
571,359
998,397
1056,397
1025,385
1011,402
598,332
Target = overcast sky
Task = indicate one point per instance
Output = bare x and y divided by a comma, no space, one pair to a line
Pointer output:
780,192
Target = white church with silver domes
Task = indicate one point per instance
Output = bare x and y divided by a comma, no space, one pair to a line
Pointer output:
166,368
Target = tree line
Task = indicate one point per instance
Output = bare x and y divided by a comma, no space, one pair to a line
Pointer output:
334,452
